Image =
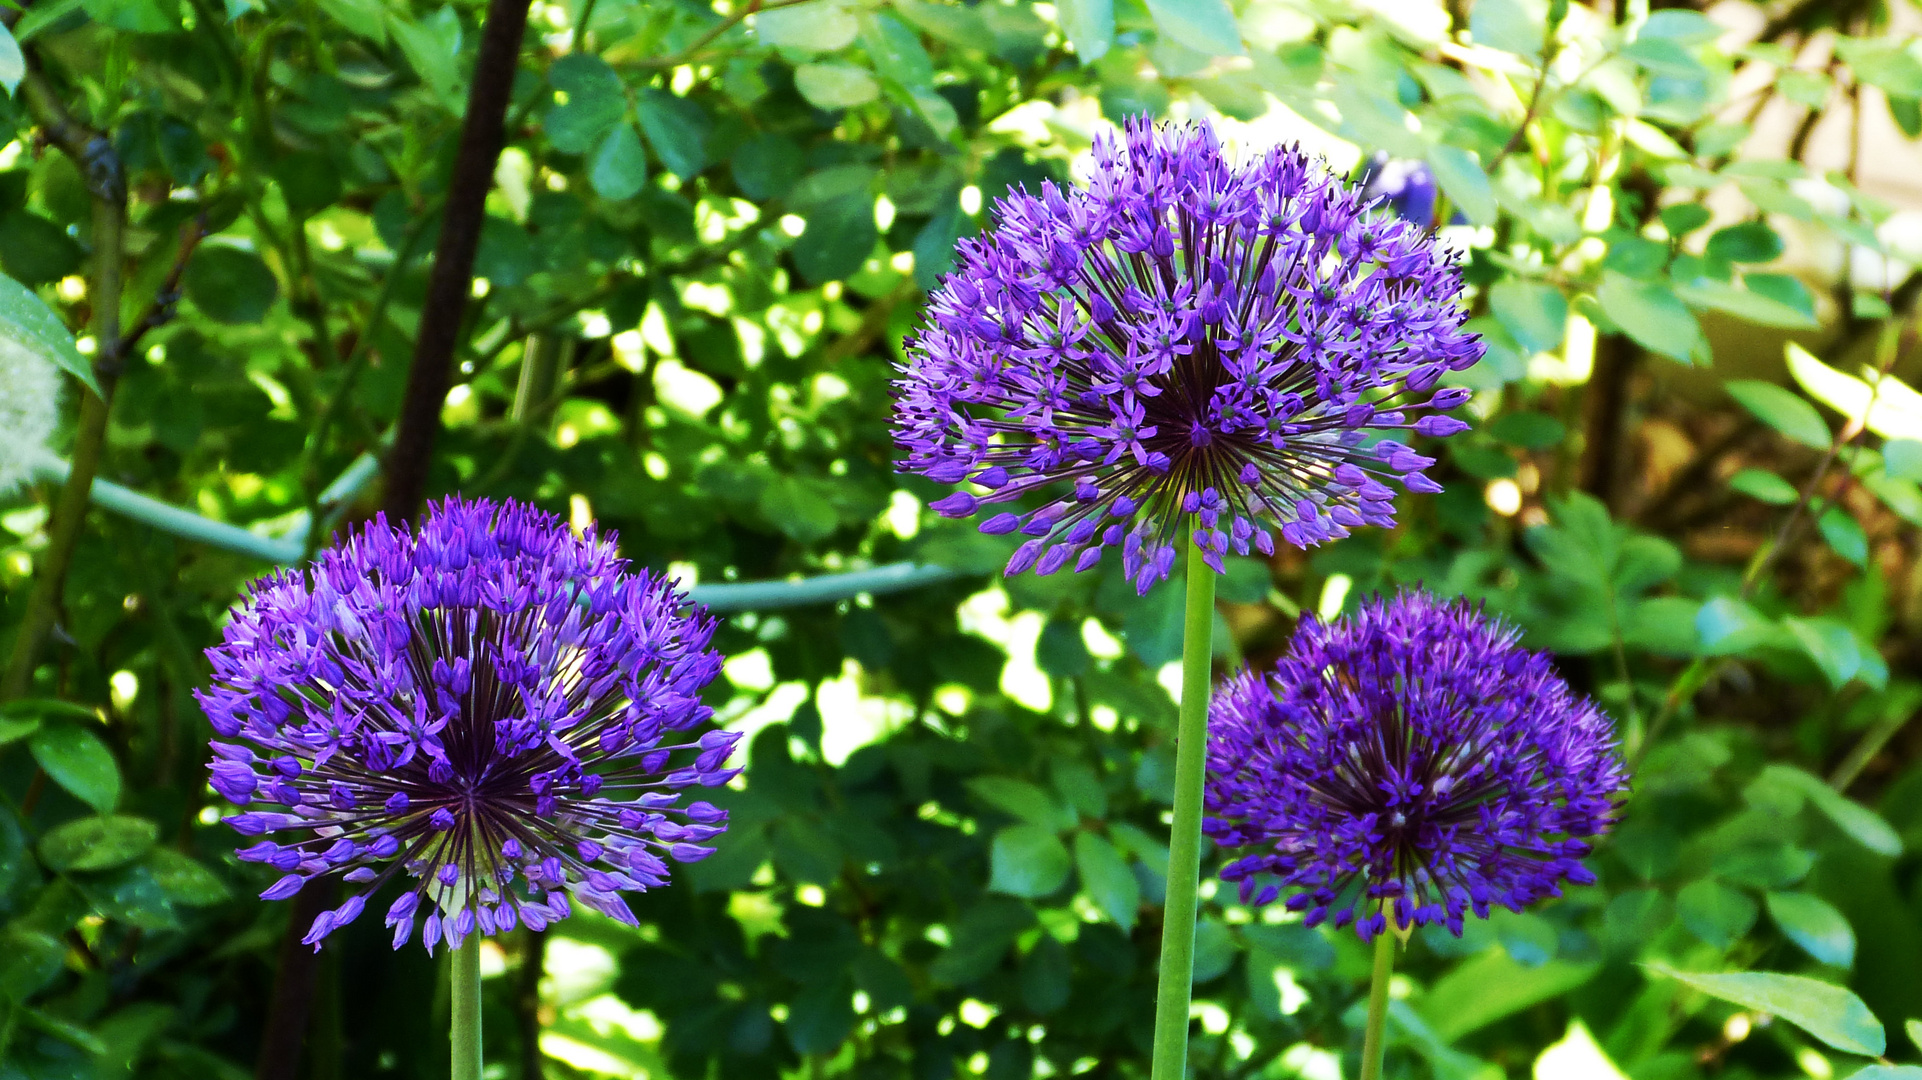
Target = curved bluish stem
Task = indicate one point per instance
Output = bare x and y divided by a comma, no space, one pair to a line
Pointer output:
466,1034
1372,1042
1176,989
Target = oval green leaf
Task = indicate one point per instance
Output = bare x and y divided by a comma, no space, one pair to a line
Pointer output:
1824,1010
78,761
98,843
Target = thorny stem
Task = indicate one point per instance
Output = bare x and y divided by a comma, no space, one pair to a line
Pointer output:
1184,844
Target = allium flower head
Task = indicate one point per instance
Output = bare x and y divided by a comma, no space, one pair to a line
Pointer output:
1184,336
1406,187
494,707
1412,757
29,411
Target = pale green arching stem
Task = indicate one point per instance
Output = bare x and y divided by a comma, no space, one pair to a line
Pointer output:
467,1009
1372,1038
1184,845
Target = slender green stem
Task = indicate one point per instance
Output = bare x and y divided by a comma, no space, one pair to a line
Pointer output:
1184,846
467,1009
1371,1043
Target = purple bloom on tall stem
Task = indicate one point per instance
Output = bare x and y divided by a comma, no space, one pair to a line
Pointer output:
1184,336
1411,757
494,707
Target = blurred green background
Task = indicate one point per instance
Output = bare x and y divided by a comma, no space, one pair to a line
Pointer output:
1693,476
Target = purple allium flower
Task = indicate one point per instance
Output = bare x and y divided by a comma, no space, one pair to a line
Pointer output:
1406,187
1184,337
493,706
1411,753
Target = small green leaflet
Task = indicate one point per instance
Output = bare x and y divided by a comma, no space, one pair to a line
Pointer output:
27,322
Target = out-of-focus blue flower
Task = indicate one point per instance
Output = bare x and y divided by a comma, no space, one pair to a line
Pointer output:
493,707
1410,757
1407,187
1184,336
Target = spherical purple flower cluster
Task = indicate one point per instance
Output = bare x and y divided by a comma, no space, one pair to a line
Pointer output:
493,706
1406,188
1184,337
1411,757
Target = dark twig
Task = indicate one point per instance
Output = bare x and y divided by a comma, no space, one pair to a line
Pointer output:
450,283
676,59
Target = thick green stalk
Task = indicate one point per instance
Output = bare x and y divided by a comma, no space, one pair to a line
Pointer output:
467,1009
1372,1038
1184,846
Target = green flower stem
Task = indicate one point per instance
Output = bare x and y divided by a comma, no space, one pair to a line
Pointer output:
467,1009
1184,846
1372,1038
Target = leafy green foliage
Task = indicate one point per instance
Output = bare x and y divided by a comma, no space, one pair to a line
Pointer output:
701,250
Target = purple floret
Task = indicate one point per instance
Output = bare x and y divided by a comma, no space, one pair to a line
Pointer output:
1410,758
1184,336
495,707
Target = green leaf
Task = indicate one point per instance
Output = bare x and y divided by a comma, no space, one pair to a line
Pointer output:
78,761
896,51
1492,985
677,130
1902,459
1914,1028
800,507
596,101
766,165
815,27
1215,949
821,1017
1106,878
1763,308
1831,644
1782,410
1060,651
1651,315
27,322
1845,535
1888,1072
1533,313
1815,925
1528,430
185,881
1023,800
230,284
1515,26
840,234
12,731
1765,486
13,64
1206,26
133,16
980,937
1824,1010
619,168
1463,180
432,47
368,18
1714,912
29,960
1089,25
1864,826
1635,917
1028,861
97,843
835,86
1081,786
